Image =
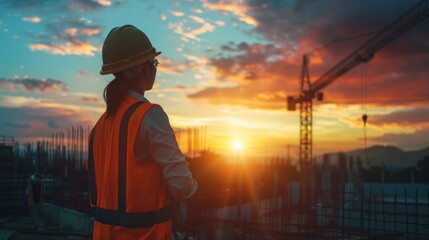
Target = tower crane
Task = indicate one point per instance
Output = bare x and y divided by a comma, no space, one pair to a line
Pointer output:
362,54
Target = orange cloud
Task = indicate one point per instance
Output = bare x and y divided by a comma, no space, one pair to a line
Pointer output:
249,96
91,99
7,84
220,23
397,75
177,14
238,8
187,34
168,66
34,19
85,6
73,32
104,2
69,48
199,11
176,89
259,70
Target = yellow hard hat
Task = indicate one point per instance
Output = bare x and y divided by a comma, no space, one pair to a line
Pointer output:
126,47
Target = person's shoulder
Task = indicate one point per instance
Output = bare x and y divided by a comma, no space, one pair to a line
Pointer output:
158,112
156,115
156,109
146,108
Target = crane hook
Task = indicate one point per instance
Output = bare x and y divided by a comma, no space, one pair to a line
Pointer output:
364,118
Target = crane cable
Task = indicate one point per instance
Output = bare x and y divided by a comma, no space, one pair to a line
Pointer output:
364,89
326,45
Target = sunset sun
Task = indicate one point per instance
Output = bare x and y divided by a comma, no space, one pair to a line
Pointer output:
237,145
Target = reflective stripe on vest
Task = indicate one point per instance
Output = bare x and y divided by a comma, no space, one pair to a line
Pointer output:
120,217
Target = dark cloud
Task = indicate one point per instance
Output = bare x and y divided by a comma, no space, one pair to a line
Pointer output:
27,3
397,75
74,5
39,36
85,5
227,48
324,20
398,81
251,59
52,124
17,124
73,30
41,8
413,116
406,140
32,84
34,122
312,24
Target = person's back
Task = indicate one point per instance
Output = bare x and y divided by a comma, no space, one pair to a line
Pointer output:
135,166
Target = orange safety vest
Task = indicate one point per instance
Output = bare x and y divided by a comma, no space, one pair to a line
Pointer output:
129,198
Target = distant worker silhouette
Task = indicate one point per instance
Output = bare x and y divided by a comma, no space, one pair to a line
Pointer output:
34,195
135,165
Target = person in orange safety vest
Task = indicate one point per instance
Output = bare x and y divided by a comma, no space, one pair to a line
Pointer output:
136,171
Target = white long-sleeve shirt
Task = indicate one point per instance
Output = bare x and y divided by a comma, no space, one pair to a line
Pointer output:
157,136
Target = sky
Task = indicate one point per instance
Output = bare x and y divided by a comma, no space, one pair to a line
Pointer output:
227,66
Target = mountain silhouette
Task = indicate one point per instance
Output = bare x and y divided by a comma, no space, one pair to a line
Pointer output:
388,155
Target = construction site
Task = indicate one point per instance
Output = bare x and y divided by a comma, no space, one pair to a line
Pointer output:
264,200
341,195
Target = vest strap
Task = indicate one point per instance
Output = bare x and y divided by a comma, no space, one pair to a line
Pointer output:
91,170
122,156
132,219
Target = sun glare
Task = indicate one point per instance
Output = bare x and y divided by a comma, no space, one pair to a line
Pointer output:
238,146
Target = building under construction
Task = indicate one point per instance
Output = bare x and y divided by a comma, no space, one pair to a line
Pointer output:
255,199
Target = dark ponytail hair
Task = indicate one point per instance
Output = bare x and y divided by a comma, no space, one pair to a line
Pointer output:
114,94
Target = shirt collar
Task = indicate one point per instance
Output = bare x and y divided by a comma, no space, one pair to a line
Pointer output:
137,95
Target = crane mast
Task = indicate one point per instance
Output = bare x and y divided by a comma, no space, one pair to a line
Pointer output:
362,54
